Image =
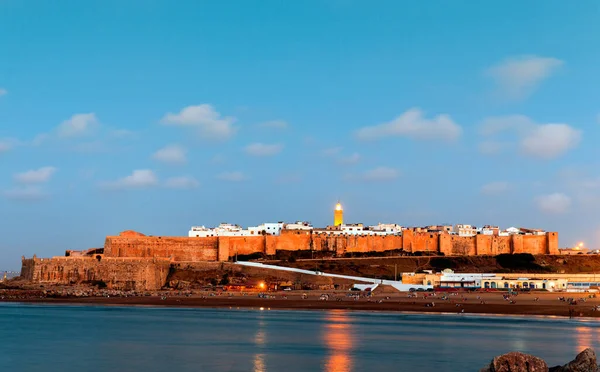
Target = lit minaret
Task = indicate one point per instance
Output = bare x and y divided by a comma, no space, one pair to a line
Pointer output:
338,215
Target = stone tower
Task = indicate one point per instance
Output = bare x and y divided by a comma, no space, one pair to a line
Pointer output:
338,215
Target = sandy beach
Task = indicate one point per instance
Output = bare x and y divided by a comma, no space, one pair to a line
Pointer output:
543,303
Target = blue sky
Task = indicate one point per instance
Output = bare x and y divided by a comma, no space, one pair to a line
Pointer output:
156,115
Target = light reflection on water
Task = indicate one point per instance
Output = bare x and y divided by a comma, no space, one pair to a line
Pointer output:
339,339
260,340
58,338
583,337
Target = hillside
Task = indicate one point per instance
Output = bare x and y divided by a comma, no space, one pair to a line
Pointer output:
385,267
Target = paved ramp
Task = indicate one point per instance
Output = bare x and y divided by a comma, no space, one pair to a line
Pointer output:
396,284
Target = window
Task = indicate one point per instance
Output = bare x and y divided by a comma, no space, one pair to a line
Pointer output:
505,284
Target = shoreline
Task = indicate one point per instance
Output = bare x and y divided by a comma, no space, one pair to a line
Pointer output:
397,304
307,309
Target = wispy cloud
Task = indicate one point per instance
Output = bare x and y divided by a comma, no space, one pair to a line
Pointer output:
209,123
141,178
78,125
7,144
3,92
518,77
555,203
544,141
378,174
41,175
549,141
171,154
27,193
491,147
261,149
412,124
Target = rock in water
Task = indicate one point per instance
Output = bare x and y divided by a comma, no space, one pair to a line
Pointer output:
516,362
584,362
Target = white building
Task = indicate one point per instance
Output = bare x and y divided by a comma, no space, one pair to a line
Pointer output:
360,229
272,228
352,229
298,225
513,231
226,229
386,229
464,230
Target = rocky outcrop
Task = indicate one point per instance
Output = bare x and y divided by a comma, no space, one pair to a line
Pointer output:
516,362
519,362
584,362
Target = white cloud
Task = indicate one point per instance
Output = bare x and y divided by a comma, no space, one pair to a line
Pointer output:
78,125
7,144
494,188
351,159
498,124
490,147
184,182
553,203
140,178
172,154
39,139
40,175
3,92
379,174
209,122
549,141
274,124
518,77
545,141
261,149
414,125
27,193
231,176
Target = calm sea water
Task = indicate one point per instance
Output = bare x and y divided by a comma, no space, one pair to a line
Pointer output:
96,338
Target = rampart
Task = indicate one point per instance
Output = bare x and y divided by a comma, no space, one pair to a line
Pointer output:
223,248
136,262
116,273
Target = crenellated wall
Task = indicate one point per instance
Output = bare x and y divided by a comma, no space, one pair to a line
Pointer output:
222,248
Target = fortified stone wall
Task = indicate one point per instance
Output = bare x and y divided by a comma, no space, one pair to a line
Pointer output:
174,248
117,273
222,248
